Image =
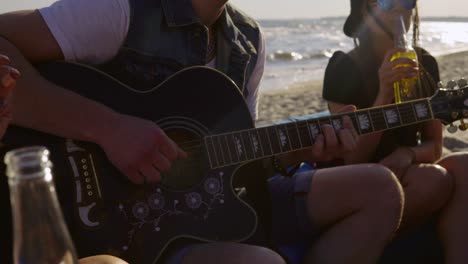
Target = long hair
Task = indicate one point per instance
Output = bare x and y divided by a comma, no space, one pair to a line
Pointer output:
416,26
363,42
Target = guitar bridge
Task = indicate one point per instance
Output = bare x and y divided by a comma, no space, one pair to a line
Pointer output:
87,190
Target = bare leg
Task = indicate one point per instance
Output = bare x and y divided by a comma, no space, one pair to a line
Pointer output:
358,207
427,190
453,224
231,253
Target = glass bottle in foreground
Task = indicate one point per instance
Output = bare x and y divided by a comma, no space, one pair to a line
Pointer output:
40,233
405,88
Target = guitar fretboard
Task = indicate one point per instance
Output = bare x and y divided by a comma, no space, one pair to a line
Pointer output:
246,145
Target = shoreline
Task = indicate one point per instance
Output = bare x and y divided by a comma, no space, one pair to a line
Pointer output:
306,98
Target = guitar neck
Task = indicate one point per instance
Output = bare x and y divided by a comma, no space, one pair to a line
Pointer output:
247,145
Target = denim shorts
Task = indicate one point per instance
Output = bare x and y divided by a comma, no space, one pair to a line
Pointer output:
290,220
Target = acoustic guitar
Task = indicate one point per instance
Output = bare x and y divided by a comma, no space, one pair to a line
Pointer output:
204,112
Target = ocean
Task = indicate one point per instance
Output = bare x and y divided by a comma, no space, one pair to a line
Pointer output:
298,50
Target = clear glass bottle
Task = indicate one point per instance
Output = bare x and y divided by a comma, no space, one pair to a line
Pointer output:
40,233
405,88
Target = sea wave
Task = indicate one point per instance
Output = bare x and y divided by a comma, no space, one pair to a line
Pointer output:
283,56
298,50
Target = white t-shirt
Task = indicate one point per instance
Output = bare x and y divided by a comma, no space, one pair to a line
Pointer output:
92,31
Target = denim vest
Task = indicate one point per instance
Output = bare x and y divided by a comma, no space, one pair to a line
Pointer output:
166,36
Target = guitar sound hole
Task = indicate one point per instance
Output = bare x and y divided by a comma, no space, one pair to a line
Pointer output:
185,174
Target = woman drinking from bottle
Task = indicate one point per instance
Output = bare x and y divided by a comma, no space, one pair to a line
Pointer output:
366,77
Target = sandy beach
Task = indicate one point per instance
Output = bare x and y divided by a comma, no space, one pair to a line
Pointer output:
306,98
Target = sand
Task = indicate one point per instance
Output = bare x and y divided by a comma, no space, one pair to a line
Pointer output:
306,98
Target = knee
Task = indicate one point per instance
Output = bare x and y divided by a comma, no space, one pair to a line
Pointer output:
457,165
435,183
235,253
383,190
380,182
256,254
265,255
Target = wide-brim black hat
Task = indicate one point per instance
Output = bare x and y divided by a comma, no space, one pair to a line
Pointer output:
354,20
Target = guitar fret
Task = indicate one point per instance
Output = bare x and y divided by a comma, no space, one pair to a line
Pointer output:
232,148
422,110
399,114
218,150
378,119
239,146
324,121
248,146
211,152
392,116
371,120
285,142
314,129
257,146
274,140
293,134
385,117
228,155
337,122
356,126
304,134
298,135
407,113
364,121
265,141
224,153
414,111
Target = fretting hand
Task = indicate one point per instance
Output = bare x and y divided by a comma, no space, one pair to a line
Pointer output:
332,145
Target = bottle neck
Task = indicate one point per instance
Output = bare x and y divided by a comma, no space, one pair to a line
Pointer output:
31,163
401,42
399,34
40,232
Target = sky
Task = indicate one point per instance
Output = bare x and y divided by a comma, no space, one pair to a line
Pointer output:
290,9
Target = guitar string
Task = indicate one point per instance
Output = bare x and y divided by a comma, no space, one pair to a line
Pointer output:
198,143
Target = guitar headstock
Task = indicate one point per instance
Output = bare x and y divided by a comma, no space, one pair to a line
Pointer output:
450,104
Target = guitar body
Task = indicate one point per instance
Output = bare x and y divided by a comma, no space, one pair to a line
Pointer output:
106,213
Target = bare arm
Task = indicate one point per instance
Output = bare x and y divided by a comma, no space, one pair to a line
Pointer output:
36,100
41,105
430,149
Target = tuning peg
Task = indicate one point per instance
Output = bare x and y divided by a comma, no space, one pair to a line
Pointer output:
440,84
462,82
451,84
452,129
463,126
